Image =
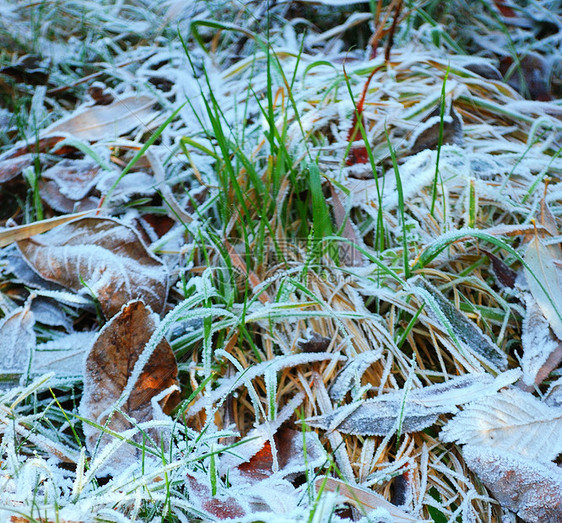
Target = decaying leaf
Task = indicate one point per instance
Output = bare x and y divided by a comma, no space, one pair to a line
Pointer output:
363,498
109,364
417,411
17,341
313,342
217,507
531,489
506,276
465,330
105,255
540,259
107,121
512,420
288,459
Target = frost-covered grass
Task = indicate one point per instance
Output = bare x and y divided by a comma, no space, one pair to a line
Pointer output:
347,295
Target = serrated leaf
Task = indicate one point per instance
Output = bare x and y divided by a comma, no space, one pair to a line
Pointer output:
512,420
548,294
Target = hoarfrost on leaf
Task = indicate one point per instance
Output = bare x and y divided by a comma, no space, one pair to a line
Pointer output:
512,420
528,487
106,255
380,416
17,341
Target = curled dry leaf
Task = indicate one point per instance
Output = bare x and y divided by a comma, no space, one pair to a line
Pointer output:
105,255
531,489
541,349
109,364
75,178
427,137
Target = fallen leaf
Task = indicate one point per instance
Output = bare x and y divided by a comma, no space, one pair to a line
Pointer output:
17,341
539,344
531,489
505,275
110,363
29,69
542,278
465,330
220,508
107,121
75,178
418,410
313,342
105,255
12,167
512,420
52,196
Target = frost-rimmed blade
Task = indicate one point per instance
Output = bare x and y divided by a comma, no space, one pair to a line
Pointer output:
462,328
105,255
511,420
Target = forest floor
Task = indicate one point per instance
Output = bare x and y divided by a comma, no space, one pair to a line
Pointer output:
280,261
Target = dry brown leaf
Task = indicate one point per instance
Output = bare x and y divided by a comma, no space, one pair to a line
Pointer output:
107,121
52,196
427,137
531,489
107,256
110,363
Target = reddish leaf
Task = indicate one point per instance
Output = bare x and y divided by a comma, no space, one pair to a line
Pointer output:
109,365
104,254
357,154
219,508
